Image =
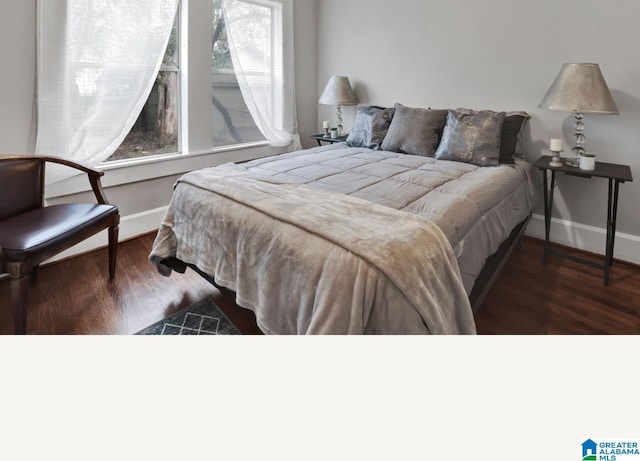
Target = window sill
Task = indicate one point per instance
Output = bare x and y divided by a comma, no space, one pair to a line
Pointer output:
143,169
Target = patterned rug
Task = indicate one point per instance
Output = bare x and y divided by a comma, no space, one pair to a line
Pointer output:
201,318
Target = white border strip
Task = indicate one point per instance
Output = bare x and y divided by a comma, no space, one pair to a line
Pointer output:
587,238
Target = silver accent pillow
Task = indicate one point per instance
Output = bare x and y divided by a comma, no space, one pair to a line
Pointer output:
414,130
472,136
370,126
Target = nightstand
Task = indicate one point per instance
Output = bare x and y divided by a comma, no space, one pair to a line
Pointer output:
322,138
616,174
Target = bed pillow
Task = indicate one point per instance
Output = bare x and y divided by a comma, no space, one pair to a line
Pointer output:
414,130
511,127
370,126
472,136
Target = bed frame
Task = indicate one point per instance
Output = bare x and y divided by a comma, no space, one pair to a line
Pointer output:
487,277
494,264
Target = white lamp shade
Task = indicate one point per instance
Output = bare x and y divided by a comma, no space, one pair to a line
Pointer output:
338,92
580,87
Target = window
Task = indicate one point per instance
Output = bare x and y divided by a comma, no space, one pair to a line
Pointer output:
232,121
156,131
242,95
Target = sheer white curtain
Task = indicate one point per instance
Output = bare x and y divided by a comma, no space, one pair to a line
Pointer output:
97,63
260,36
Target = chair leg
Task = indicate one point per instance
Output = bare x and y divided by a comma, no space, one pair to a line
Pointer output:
113,250
20,298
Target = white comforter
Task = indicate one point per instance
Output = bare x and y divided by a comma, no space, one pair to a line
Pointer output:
310,261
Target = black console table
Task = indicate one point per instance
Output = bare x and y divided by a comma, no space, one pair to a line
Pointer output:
616,174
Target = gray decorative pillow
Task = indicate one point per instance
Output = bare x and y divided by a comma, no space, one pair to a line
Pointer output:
414,130
370,126
511,126
472,136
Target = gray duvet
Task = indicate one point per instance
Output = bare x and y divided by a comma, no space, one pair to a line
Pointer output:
475,207
380,243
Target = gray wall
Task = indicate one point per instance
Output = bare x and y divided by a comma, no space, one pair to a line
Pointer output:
18,76
500,55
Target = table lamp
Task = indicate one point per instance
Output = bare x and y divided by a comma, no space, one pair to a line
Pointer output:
338,92
579,88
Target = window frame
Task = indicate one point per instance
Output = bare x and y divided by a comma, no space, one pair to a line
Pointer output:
183,96
146,168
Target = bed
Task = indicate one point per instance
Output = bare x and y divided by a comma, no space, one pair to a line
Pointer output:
345,239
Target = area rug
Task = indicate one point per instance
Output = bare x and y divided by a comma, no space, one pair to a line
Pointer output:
201,318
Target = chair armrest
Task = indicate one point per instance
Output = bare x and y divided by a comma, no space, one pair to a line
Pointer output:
93,174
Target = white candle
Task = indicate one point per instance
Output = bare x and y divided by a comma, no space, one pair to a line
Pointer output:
555,145
325,124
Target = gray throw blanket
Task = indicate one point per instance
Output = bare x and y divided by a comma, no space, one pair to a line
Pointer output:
309,261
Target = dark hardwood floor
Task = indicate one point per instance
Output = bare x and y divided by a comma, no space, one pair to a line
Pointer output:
74,296
563,297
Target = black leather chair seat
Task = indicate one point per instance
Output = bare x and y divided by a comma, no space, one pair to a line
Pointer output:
43,230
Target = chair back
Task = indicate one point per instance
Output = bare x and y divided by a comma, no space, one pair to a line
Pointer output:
21,185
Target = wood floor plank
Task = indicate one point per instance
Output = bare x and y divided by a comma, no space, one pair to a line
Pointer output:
75,296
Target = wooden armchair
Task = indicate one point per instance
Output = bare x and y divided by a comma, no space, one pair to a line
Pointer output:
31,233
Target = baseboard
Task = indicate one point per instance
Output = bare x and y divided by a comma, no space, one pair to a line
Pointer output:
587,238
130,226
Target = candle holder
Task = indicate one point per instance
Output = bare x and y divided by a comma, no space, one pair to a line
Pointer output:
555,161
326,132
